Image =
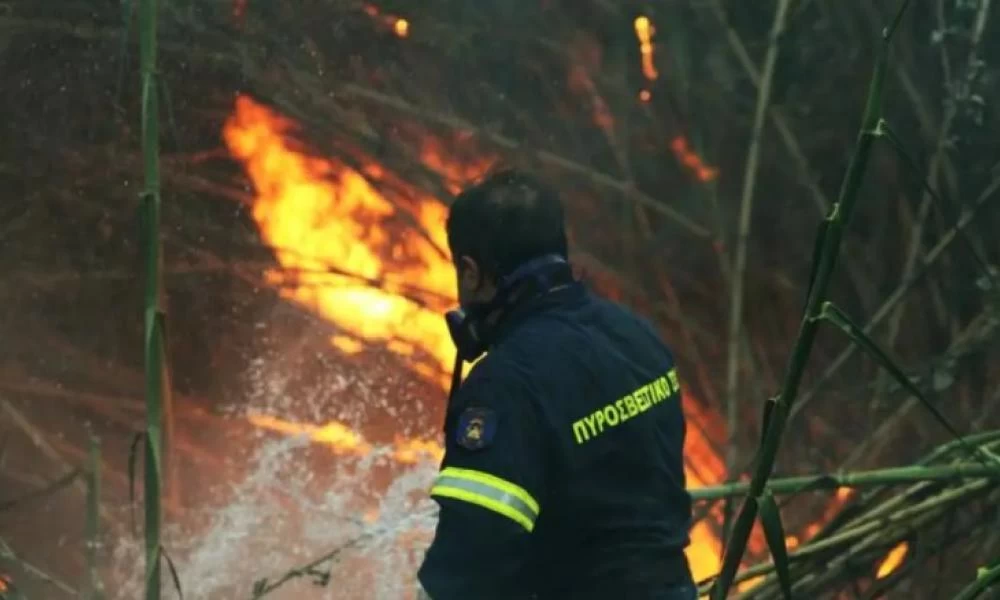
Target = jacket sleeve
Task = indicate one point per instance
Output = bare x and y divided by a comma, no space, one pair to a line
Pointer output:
490,489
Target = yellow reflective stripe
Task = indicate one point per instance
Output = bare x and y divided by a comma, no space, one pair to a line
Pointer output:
493,481
445,491
489,492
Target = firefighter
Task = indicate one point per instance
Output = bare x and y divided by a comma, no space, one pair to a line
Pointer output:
563,475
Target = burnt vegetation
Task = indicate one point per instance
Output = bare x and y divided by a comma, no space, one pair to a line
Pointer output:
693,195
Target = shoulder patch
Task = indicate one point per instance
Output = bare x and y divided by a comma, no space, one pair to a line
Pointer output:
476,428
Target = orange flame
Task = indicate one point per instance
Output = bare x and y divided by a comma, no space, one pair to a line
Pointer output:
644,30
330,228
893,560
692,161
749,584
344,441
399,26
336,236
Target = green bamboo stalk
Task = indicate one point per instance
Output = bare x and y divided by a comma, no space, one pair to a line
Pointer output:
871,479
905,517
985,438
774,533
95,589
929,259
832,230
989,440
868,530
886,533
901,502
153,314
830,481
986,578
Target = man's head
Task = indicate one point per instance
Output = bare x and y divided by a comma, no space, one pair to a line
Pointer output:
499,224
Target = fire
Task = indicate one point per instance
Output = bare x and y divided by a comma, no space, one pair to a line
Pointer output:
644,30
692,161
344,441
330,228
893,560
346,253
399,26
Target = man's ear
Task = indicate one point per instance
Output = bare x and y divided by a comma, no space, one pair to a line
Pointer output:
469,273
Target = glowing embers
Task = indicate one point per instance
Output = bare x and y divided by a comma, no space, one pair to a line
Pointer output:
687,157
398,25
644,31
893,560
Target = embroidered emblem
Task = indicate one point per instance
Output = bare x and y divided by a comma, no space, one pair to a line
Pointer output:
476,428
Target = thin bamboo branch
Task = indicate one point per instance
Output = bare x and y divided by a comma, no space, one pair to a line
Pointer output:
116,410
189,410
899,501
264,587
882,435
80,455
7,554
937,161
775,113
835,533
545,157
157,376
860,479
990,407
40,441
828,246
743,237
933,255
895,526
46,490
919,511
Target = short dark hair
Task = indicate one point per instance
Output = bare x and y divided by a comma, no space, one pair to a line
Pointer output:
505,220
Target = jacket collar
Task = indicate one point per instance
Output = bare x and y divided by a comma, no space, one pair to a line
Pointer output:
562,296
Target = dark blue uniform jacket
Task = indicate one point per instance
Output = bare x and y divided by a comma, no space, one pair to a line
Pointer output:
563,472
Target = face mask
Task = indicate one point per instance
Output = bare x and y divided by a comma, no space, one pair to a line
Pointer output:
469,327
